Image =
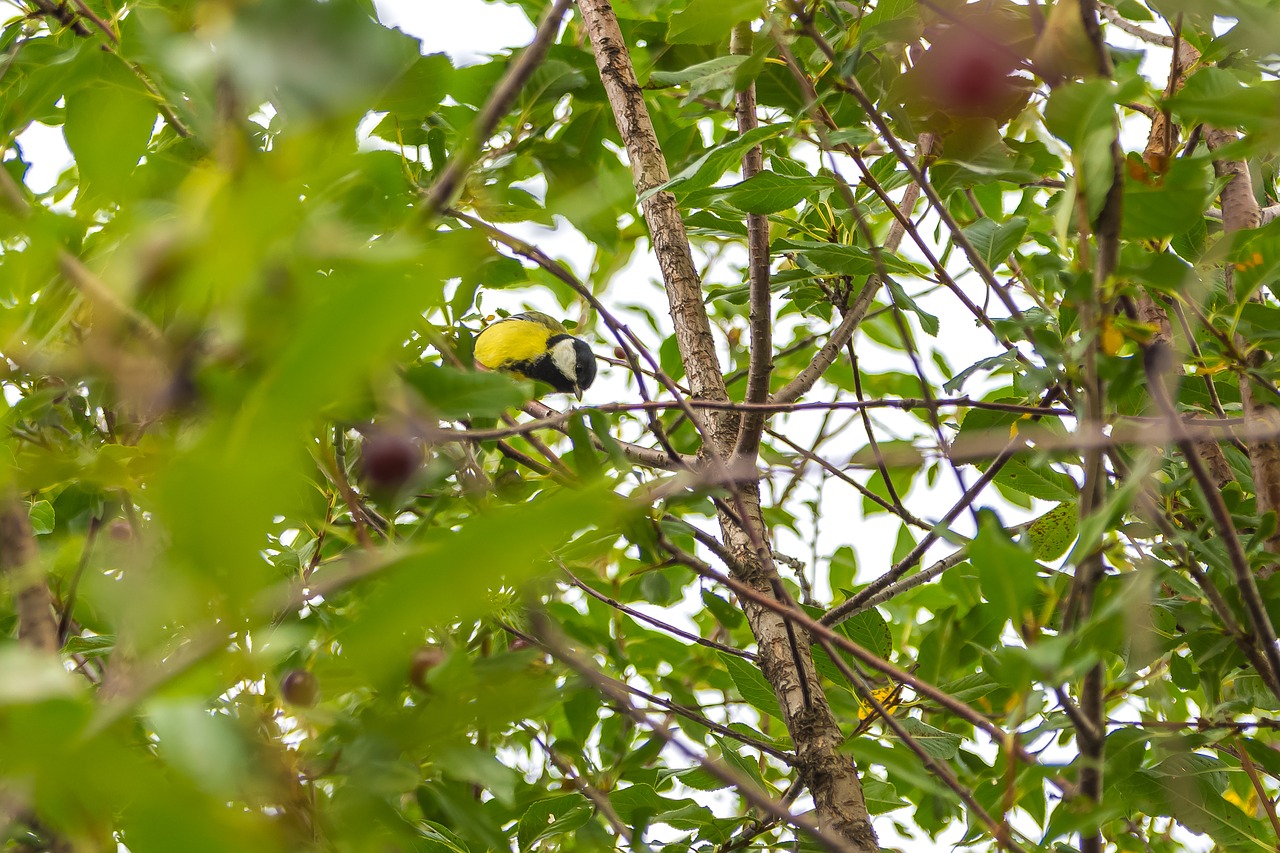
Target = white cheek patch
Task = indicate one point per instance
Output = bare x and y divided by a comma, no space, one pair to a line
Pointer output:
565,358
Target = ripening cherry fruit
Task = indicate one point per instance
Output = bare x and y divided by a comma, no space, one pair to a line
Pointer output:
300,687
388,459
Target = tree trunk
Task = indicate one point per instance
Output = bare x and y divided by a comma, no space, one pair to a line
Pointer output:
830,775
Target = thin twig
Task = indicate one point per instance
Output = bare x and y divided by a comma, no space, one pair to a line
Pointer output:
843,611
589,791
652,620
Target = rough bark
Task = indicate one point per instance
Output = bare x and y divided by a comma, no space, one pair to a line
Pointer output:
830,776
1215,461
1163,138
661,214
1240,211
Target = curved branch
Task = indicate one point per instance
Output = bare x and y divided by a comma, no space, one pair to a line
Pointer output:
445,188
1122,23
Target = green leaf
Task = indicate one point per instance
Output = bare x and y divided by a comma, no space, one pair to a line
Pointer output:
1125,750
881,797
551,817
714,75
479,767
928,322
448,574
1005,361
1197,805
769,192
41,515
1214,96
842,568
602,428
585,461
1006,573
751,684
1171,206
419,88
840,259
1038,480
455,393
1205,767
316,60
713,163
1051,534
1079,110
99,646
937,743
108,125
742,766
640,804
1082,114
1259,322
440,838
1134,11
700,779
41,73
206,747
975,154
708,21
870,630
28,677
995,241
724,612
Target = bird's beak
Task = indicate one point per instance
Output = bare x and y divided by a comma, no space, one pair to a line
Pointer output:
577,392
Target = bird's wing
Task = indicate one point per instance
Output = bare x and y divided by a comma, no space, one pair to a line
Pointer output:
511,341
541,319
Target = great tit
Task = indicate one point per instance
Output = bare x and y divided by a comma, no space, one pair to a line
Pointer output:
535,346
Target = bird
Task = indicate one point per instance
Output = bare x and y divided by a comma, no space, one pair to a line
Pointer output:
535,346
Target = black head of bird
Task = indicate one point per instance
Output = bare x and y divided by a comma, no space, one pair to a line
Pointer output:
535,346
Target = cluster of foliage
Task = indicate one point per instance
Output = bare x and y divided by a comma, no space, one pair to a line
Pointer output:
285,572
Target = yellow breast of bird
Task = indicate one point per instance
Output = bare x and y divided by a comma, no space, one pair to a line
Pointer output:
509,342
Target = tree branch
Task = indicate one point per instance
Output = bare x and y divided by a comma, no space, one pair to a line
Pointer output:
785,661
1122,23
449,183
761,314
1240,211
661,213
1089,571
743,787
